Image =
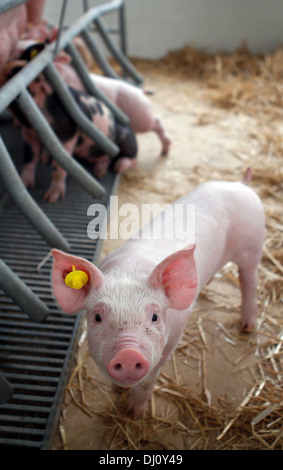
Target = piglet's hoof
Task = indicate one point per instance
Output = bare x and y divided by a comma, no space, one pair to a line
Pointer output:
135,411
100,167
54,193
166,146
124,164
28,175
247,326
27,179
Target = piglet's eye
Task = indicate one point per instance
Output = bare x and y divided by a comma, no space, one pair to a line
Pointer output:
154,317
97,318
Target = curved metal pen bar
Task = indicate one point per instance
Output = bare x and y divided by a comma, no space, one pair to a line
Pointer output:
54,146
20,293
116,52
76,113
80,67
16,189
94,49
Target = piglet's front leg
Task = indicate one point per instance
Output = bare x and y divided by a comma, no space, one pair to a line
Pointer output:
138,399
32,150
101,165
57,188
28,174
140,394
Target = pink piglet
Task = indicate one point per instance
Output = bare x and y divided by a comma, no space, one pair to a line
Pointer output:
139,300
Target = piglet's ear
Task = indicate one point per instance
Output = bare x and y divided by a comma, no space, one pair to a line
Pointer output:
177,275
72,300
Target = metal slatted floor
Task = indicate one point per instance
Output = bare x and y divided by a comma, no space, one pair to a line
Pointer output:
36,357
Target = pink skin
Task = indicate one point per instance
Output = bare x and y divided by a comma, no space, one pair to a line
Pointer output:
13,24
139,301
34,10
57,188
128,366
124,164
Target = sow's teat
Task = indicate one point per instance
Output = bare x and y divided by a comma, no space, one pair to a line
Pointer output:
76,279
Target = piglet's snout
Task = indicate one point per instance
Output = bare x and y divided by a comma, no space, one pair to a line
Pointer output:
128,366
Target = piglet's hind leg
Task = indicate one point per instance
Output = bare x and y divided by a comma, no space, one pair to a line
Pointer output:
165,140
248,281
127,142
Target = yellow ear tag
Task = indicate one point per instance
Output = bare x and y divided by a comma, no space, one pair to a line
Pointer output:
33,53
76,279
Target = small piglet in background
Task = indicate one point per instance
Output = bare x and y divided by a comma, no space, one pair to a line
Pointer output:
139,301
75,141
136,105
130,99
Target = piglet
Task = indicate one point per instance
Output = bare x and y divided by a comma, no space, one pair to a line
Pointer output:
140,299
132,100
136,105
75,141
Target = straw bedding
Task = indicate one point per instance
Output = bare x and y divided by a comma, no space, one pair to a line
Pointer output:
221,389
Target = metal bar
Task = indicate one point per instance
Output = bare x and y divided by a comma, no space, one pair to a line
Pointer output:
16,189
123,34
22,443
116,52
21,337
10,90
61,21
98,56
83,72
86,19
6,390
19,292
27,431
77,114
85,5
54,147
25,419
33,409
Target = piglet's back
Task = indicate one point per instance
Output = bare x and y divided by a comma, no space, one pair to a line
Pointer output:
229,222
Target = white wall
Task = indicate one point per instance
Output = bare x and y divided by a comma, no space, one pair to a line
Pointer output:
155,27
